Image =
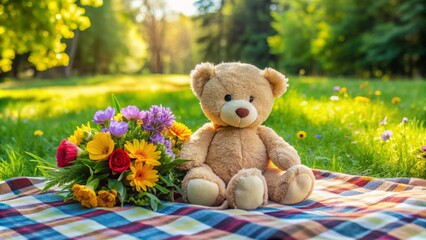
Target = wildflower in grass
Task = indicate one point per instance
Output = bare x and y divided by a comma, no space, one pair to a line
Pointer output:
396,100
118,129
387,135
377,92
107,198
142,176
67,152
334,98
384,121
85,195
143,152
344,90
100,147
38,133
404,120
301,135
336,88
361,99
119,161
157,119
130,112
364,85
318,136
101,117
180,131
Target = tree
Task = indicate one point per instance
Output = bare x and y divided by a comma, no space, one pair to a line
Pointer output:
110,42
38,28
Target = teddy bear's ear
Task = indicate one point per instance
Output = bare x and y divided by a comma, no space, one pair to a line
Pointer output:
278,81
200,76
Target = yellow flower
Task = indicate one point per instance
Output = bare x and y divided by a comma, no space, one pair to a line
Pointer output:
143,152
80,134
38,133
378,93
107,198
118,117
396,100
301,135
85,195
344,90
180,130
142,176
100,147
361,99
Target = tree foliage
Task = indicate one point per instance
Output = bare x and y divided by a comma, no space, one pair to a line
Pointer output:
374,39
39,29
111,44
235,30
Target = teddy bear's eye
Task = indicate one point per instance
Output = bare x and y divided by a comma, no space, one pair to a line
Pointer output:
228,97
251,99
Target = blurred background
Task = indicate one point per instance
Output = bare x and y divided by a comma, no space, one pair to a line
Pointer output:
382,39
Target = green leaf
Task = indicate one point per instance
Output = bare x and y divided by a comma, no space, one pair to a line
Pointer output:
162,189
115,103
119,187
154,201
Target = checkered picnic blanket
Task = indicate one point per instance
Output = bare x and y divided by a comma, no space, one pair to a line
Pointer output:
340,207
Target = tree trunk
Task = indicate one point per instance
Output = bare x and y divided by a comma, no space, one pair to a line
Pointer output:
71,54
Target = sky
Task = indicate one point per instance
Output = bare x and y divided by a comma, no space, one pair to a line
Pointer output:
182,6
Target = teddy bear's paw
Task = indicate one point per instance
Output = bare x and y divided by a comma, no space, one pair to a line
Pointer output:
300,182
202,192
247,190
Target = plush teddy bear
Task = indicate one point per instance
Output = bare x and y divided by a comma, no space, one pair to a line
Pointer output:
230,156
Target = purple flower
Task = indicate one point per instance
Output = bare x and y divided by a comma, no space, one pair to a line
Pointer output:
319,136
157,119
130,112
336,88
387,135
118,129
384,121
103,116
405,120
160,139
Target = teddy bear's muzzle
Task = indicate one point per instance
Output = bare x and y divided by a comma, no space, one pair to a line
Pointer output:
238,113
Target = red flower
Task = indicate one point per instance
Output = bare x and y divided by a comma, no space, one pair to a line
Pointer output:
67,152
119,161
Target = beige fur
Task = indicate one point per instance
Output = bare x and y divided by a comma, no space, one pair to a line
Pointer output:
234,149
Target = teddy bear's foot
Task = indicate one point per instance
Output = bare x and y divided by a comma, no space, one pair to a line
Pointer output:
291,187
247,189
201,186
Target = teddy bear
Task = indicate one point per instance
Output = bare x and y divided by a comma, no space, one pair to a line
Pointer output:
230,157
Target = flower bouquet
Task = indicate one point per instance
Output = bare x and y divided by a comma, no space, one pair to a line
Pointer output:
128,156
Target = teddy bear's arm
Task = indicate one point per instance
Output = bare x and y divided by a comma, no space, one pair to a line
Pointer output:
282,154
197,146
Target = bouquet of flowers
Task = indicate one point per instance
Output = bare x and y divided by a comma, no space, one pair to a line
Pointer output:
129,156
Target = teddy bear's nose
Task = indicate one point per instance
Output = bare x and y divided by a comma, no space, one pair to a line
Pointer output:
242,112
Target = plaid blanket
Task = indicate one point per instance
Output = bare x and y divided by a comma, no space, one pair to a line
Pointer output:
340,207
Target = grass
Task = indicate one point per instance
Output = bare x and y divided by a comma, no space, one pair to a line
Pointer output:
342,136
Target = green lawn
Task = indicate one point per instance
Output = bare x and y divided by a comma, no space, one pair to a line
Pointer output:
343,135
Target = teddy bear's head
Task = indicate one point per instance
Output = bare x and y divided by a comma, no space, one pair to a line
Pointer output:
236,94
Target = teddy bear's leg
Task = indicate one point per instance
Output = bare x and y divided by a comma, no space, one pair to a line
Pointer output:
290,187
201,186
247,189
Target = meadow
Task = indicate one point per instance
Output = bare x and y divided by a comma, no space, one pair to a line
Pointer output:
374,128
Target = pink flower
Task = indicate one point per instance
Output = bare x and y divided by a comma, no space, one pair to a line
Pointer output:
67,152
119,161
